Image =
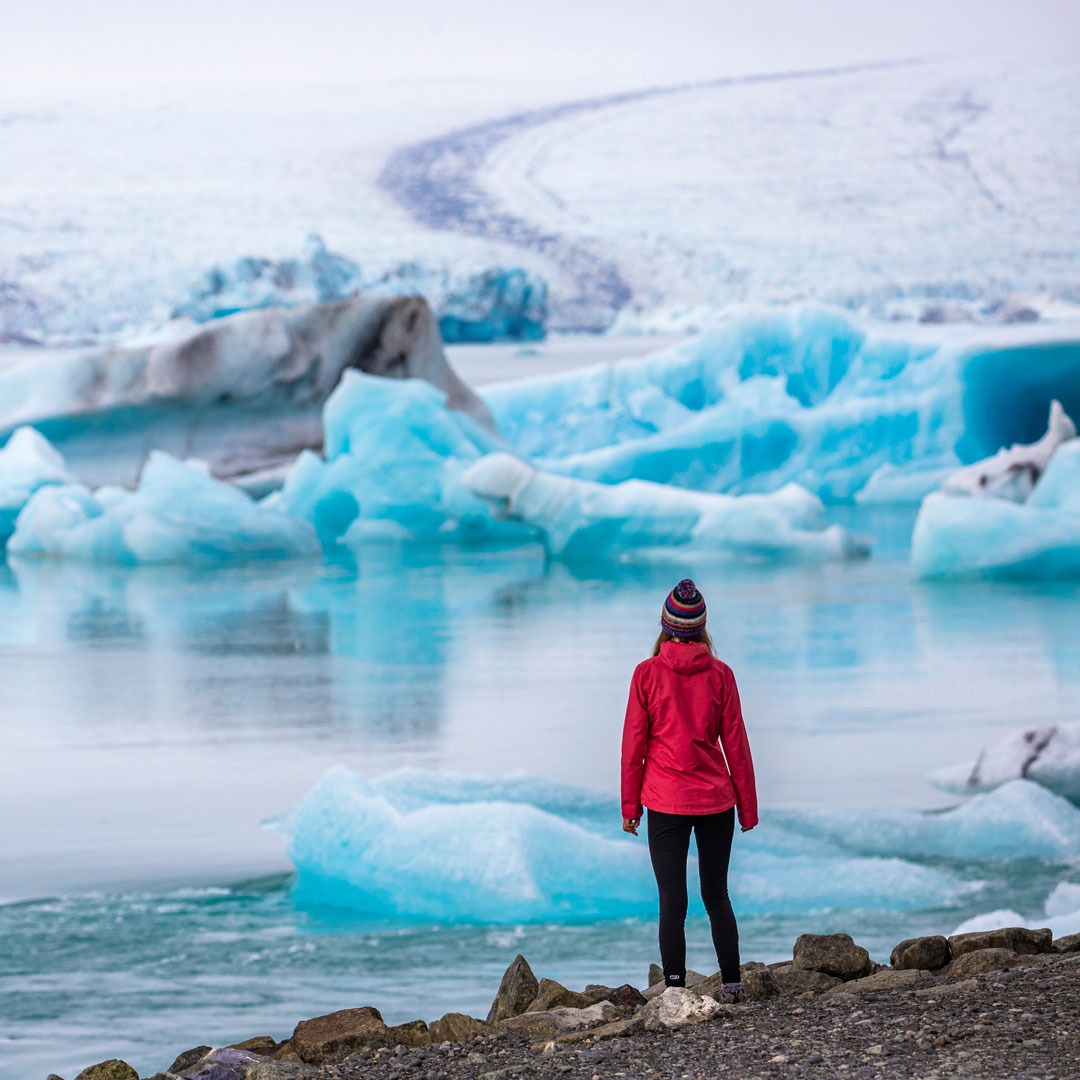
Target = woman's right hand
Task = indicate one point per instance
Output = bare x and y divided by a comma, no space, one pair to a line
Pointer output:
630,825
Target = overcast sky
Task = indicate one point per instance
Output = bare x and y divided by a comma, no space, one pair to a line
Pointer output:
76,46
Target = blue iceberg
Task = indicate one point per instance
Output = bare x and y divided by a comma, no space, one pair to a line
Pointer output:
957,536
496,304
178,513
581,519
807,395
27,462
401,466
404,847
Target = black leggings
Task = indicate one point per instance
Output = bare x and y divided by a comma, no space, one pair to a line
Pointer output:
669,841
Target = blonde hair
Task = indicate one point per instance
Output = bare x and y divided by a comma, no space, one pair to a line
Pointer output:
702,636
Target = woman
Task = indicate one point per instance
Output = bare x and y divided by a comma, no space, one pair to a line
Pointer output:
683,702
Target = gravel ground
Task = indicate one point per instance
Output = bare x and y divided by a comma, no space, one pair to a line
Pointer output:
1023,1023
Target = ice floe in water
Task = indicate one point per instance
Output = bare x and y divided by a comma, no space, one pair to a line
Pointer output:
803,394
466,849
1049,755
178,513
583,519
959,536
27,462
1019,819
399,465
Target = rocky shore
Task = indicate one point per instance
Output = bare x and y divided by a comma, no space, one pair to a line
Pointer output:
1002,1004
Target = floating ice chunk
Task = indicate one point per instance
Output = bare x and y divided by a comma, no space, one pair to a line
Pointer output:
1013,473
1048,755
448,848
956,536
244,394
178,513
394,457
582,519
1019,819
27,462
990,920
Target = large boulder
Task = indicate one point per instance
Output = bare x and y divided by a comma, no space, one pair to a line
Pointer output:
1068,943
1019,939
885,979
758,984
789,977
224,1064
921,953
617,1029
456,1027
544,1025
113,1069
833,954
981,961
282,1070
680,1006
622,997
517,991
187,1058
330,1039
259,1044
412,1033
553,995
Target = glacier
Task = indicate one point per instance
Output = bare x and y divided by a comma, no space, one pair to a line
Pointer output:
639,519
1048,755
243,393
805,394
27,462
495,304
178,513
956,536
392,847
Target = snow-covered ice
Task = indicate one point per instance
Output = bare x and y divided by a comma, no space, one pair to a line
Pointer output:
581,519
178,513
27,462
1048,755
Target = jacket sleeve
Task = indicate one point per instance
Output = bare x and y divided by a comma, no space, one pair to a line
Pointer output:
736,748
634,739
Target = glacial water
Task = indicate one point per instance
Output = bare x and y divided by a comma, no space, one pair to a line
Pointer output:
162,726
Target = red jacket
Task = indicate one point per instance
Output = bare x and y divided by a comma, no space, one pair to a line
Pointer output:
681,703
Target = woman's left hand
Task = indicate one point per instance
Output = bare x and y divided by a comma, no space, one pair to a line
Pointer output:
630,825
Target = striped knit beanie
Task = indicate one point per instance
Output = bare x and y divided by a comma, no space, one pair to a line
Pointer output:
683,614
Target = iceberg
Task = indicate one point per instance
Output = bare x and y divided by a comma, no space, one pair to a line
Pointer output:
957,536
403,846
496,304
581,519
27,462
1018,820
244,393
804,394
394,455
1049,755
178,513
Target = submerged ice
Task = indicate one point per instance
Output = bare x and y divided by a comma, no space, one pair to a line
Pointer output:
422,846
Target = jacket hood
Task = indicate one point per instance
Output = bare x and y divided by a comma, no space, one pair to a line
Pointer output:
687,657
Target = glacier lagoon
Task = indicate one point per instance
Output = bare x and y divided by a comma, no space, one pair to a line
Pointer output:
151,891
